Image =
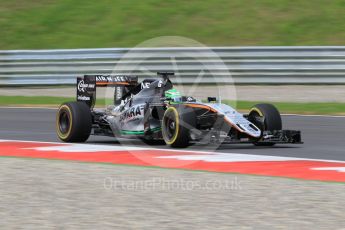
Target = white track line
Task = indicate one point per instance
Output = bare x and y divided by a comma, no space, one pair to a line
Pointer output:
171,150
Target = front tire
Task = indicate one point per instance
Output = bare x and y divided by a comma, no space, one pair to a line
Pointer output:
267,118
73,122
176,123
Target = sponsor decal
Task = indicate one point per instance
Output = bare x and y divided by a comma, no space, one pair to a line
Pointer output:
82,86
160,84
145,85
190,99
83,98
102,78
132,113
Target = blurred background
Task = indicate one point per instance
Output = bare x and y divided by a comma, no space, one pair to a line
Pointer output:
62,24
272,50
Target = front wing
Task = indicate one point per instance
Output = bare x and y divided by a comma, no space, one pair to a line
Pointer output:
277,137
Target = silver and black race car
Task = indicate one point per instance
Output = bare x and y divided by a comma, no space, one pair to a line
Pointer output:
153,110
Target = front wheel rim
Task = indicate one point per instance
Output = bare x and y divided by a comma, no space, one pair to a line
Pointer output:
170,127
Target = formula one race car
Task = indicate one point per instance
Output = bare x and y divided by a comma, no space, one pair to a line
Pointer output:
154,110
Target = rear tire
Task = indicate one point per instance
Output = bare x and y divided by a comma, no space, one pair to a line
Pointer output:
267,118
176,124
73,122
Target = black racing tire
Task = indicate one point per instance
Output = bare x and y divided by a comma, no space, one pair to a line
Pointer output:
176,124
73,122
271,118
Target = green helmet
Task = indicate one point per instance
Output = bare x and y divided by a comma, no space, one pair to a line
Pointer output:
173,95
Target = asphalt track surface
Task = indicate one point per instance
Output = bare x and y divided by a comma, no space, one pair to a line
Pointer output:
323,136
47,194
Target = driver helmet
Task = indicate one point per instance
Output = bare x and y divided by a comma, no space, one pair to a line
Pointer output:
173,95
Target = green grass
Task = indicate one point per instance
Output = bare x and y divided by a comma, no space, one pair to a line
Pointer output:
39,24
284,107
35,100
39,101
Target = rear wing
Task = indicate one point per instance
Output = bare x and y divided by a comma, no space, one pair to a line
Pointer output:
86,86
113,80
